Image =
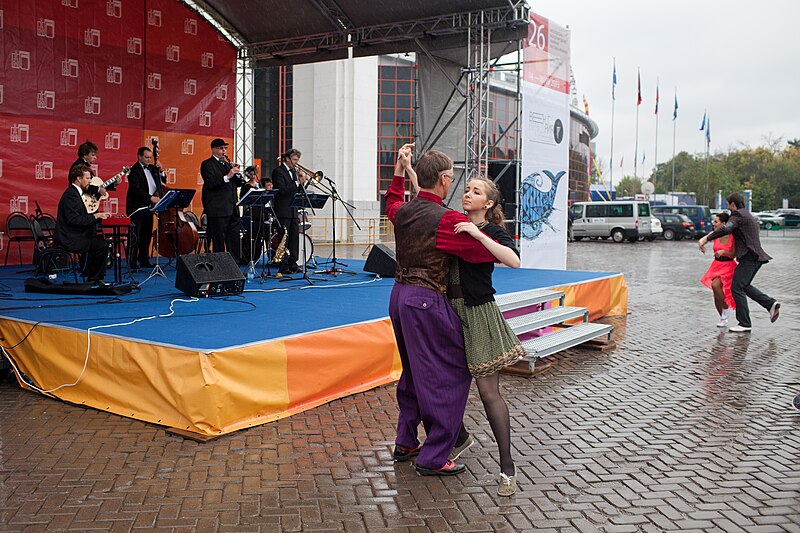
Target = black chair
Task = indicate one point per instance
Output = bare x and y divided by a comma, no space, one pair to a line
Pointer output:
48,224
202,237
18,229
49,257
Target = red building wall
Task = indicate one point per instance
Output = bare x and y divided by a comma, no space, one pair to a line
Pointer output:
115,72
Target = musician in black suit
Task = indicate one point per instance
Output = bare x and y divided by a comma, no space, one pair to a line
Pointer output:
220,180
287,181
144,190
76,228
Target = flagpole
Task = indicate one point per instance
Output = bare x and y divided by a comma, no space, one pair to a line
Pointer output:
655,170
613,102
636,149
674,126
708,146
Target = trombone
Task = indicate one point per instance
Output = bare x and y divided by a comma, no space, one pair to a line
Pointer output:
312,178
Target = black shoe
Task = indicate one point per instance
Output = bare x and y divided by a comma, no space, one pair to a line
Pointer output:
449,469
401,453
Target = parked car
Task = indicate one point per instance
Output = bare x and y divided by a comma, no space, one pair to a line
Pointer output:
676,227
699,214
791,220
769,220
618,219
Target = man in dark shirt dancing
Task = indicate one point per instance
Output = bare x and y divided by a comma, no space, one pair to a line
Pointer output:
750,256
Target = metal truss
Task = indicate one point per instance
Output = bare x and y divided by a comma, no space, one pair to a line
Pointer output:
243,130
431,27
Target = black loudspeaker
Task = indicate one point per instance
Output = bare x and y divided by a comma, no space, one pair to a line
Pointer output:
381,260
203,275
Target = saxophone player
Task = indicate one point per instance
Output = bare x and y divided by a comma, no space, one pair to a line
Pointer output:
287,181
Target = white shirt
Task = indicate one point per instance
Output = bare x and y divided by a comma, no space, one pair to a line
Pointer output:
151,182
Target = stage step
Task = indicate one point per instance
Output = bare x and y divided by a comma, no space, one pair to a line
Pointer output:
547,317
515,300
565,338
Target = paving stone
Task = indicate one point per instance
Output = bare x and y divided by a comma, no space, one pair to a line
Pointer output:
682,427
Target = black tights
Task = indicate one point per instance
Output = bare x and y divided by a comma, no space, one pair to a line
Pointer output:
497,413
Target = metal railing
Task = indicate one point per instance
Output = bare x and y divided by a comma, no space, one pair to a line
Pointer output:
373,230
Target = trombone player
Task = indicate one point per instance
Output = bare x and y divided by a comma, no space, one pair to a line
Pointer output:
287,180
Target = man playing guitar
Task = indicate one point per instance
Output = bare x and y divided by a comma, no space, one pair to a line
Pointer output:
97,189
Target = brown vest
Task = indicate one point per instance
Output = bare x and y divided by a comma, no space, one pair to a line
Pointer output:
419,263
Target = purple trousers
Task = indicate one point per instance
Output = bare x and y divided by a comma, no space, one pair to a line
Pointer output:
434,385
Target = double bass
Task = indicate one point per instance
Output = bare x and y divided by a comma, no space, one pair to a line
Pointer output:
178,235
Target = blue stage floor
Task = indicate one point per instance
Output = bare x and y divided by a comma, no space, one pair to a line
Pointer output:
266,310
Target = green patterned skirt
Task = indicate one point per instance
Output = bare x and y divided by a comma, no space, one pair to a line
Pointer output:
488,339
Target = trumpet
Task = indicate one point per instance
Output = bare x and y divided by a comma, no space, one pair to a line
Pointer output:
312,178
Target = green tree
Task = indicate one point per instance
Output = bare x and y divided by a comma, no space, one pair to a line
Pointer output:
629,186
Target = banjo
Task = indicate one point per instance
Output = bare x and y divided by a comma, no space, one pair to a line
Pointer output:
92,201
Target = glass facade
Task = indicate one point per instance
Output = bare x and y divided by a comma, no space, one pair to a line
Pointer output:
580,157
397,87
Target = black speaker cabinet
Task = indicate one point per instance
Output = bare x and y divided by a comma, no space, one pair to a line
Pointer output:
381,260
203,275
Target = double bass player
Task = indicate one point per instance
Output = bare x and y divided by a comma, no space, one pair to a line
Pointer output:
144,190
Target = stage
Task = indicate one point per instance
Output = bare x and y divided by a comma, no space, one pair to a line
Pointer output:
216,365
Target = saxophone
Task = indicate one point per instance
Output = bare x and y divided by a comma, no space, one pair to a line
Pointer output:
281,251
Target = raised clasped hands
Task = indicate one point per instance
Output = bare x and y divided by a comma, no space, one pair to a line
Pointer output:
404,154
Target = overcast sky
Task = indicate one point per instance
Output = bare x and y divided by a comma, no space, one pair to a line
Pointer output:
739,60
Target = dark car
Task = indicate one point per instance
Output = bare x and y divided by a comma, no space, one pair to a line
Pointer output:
700,215
790,219
676,227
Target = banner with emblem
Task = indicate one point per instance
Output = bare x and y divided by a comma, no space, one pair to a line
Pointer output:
544,181
116,73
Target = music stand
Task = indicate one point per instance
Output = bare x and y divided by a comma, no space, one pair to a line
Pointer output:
307,200
178,198
255,198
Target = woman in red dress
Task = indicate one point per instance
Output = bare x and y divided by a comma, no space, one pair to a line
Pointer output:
719,275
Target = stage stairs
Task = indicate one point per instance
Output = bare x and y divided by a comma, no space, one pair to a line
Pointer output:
567,336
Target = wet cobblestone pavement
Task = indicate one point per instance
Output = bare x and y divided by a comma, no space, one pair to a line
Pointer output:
682,427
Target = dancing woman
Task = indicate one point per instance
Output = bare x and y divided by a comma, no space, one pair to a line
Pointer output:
719,275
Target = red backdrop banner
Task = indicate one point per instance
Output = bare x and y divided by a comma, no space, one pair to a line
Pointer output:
118,73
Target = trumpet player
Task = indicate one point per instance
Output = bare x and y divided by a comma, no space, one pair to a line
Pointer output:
287,181
220,181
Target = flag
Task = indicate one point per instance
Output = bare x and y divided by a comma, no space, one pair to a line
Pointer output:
639,94
708,132
656,111
644,156
675,111
703,125
586,105
614,81
621,159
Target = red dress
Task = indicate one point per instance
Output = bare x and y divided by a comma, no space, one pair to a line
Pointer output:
722,270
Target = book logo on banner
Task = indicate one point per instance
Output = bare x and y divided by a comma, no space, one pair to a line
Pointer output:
46,28
113,140
171,115
190,26
187,147
20,133
154,18
205,119
19,203
221,92
172,176
44,170
110,205
70,3
199,179
114,8
91,37
134,110
2,21
69,137
1,94
233,123
154,81
135,46
174,53
1,168
207,60
190,87
69,68
91,106
21,60
46,100
114,75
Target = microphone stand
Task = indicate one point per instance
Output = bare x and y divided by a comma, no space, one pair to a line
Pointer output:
333,269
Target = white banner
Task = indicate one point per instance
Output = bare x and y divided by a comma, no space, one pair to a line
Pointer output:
545,146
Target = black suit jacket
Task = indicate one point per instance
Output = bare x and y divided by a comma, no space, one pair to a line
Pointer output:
284,183
138,190
75,228
219,198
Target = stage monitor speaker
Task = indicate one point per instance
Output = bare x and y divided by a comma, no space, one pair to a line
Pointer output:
381,260
203,275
